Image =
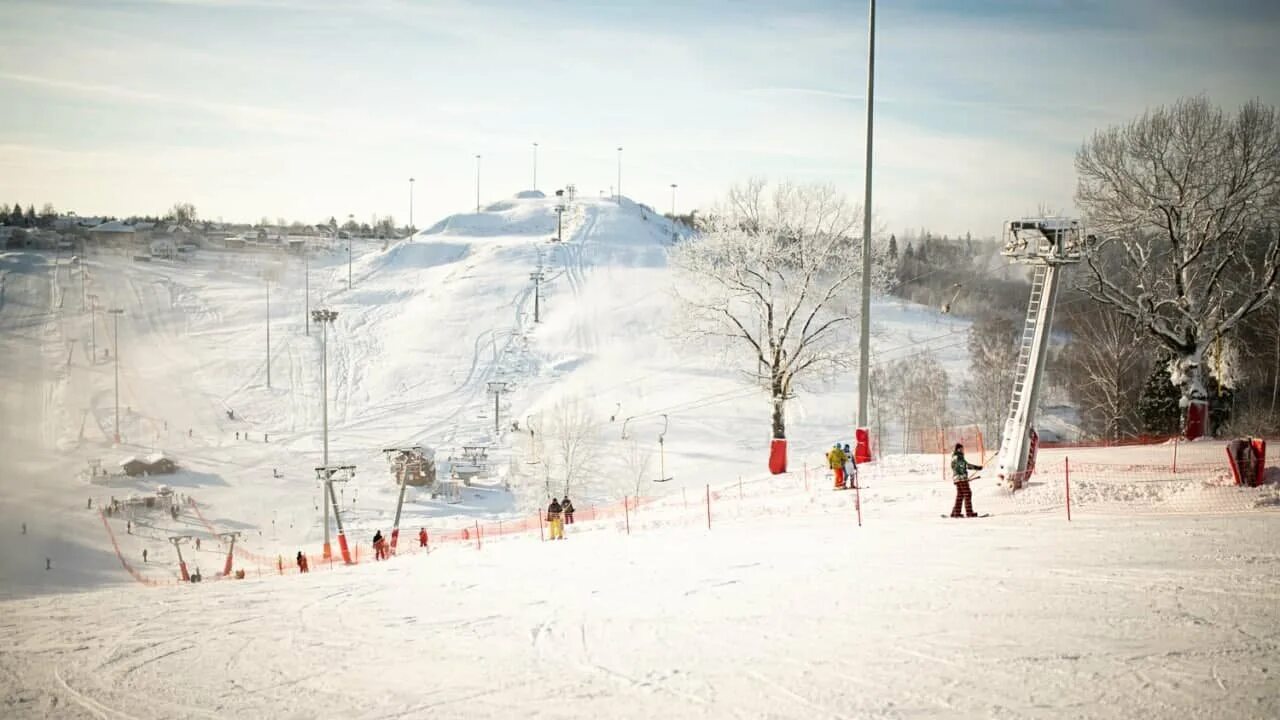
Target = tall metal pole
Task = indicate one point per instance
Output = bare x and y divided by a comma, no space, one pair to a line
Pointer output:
93,329
619,196
673,201
350,219
477,183
410,206
324,403
535,166
864,346
306,290
116,313
268,334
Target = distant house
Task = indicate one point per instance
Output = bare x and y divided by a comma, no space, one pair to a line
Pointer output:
112,233
153,464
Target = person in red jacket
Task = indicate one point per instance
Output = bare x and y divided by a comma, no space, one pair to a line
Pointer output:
422,537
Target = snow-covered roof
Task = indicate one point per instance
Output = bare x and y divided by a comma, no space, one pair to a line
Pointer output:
127,460
115,226
143,226
155,457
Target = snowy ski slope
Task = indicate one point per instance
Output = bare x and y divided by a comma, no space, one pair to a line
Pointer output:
785,608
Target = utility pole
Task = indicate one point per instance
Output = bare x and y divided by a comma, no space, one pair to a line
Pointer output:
306,290
560,222
497,388
410,207
535,166
477,183
115,316
673,201
93,329
537,279
351,219
864,345
618,198
325,318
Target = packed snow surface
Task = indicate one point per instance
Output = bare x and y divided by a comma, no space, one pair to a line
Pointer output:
1157,600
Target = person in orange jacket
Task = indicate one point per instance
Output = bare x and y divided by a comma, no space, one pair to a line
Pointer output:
422,537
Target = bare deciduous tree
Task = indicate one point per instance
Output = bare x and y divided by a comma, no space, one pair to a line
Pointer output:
183,213
771,275
1185,201
574,438
1106,370
993,358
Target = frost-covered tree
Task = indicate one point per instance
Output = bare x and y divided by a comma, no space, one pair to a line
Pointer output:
183,213
773,276
1184,201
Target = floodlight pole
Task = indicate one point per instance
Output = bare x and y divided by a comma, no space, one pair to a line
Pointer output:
673,201
306,290
477,183
864,345
325,318
268,334
351,219
411,207
115,319
329,474
618,198
537,279
93,329
535,166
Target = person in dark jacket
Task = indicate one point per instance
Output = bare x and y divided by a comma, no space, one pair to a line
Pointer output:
960,476
379,546
302,562
554,519
567,506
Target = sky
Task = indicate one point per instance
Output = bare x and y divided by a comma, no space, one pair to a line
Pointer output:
307,109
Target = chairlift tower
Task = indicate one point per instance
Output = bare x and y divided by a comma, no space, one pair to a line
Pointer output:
1046,244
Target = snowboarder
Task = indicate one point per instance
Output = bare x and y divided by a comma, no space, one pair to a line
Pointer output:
144,554
960,476
553,519
835,460
566,505
379,546
850,468
422,537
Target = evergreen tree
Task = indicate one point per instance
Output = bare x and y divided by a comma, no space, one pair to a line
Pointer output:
1158,402
4,214
31,215
893,250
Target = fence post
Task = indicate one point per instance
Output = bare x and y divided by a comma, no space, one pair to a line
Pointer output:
477,534
708,506
1066,463
541,535
1175,454
626,513
857,501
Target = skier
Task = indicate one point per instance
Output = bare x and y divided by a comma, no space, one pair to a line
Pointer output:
90,505
553,518
567,506
302,562
128,527
850,468
144,554
960,476
422,537
197,543
379,553
835,460
237,434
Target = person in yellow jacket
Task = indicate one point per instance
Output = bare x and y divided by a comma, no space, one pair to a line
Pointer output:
835,459
555,520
